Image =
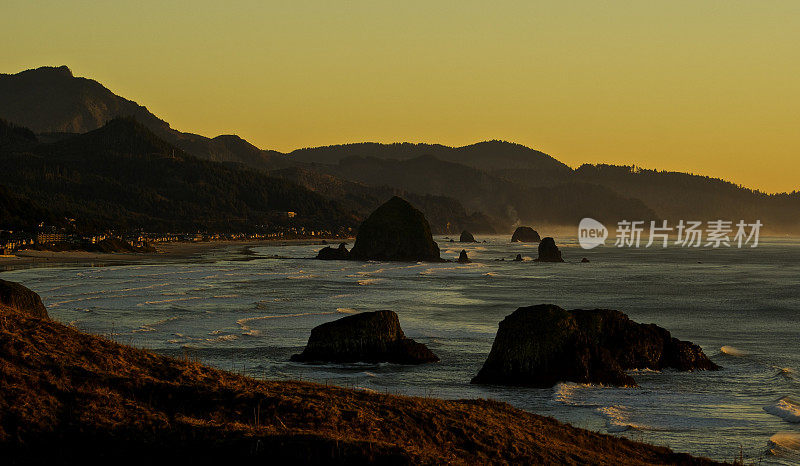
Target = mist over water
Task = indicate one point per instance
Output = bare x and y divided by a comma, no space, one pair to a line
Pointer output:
250,313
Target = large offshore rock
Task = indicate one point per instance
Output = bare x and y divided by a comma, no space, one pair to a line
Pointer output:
22,299
367,337
463,258
548,251
466,237
396,231
525,235
542,345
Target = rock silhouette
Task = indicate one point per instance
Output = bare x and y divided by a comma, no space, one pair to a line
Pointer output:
339,254
462,258
396,231
584,260
518,258
466,237
548,251
525,235
542,345
367,337
19,297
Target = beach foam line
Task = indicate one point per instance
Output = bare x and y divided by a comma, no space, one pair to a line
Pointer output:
786,408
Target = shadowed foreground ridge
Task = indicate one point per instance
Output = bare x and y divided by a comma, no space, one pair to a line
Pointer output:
67,396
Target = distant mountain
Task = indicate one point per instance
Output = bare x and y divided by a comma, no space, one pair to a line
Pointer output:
507,202
51,101
487,155
124,176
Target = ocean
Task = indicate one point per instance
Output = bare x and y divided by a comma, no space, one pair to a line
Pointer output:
249,310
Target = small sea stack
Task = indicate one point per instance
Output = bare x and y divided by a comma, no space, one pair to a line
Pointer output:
338,254
22,299
463,258
584,260
371,337
525,235
548,251
395,231
540,346
466,237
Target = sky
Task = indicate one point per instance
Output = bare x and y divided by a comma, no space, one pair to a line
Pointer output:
706,87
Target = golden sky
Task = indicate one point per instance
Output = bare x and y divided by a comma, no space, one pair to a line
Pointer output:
709,87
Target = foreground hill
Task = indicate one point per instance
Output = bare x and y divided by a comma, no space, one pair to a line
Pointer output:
124,176
68,396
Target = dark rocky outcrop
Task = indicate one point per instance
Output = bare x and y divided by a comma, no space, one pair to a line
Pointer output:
466,237
518,258
462,258
367,337
396,231
330,254
584,260
22,299
525,235
542,345
548,251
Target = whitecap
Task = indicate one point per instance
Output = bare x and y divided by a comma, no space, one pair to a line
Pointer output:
731,351
369,281
785,444
346,310
785,408
618,419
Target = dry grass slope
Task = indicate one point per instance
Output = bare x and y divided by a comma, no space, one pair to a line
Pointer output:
67,397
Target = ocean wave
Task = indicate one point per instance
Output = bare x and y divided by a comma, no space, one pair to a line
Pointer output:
244,322
786,408
786,373
618,419
731,351
173,300
346,310
565,392
369,281
490,274
785,444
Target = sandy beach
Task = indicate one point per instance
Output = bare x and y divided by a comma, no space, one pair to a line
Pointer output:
164,252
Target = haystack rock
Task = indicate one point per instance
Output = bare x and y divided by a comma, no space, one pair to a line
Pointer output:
518,258
367,337
22,299
462,258
396,231
542,345
525,235
466,237
548,251
330,254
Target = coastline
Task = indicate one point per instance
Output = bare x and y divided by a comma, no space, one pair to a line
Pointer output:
166,252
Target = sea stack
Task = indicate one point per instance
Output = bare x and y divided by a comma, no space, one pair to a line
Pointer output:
462,258
339,254
542,345
466,237
22,299
396,231
366,337
548,251
525,235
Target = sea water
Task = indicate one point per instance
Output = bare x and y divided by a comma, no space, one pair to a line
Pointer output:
250,312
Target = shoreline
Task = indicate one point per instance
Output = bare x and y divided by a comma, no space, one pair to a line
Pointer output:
165,252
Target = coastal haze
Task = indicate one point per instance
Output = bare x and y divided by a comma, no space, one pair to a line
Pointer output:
210,203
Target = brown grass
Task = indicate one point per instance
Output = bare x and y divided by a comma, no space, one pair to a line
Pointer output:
66,396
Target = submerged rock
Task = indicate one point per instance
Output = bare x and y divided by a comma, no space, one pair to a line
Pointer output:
542,345
339,254
548,251
396,231
584,260
525,235
367,337
20,298
466,237
462,258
